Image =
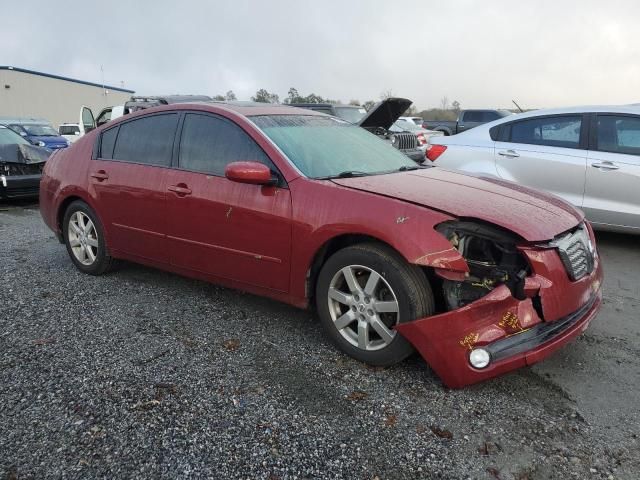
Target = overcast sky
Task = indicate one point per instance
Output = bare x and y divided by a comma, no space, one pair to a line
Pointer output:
482,53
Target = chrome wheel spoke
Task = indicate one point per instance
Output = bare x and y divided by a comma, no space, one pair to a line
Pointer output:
350,278
381,329
344,321
73,242
386,306
88,227
74,226
90,254
363,334
372,283
92,242
340,297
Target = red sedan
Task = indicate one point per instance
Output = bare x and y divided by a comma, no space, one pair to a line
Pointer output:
479,275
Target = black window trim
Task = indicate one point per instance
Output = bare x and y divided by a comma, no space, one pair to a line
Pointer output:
504,133
593,133
175,162
97,155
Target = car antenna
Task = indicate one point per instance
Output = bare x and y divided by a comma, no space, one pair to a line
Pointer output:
514,102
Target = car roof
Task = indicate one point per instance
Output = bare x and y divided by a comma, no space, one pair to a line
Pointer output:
634,109
247,109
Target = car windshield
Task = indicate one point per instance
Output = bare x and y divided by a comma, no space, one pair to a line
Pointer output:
324,147
9,137
350,114
40,130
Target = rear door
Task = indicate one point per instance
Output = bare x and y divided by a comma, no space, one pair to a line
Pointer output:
547,152
236,231
128,179
612,194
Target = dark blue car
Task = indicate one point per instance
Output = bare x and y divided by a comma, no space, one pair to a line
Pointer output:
41,134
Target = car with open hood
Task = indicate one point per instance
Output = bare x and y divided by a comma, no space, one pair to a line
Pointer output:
21,165
479,275
381,120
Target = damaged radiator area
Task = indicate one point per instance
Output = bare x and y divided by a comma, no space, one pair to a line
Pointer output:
493,260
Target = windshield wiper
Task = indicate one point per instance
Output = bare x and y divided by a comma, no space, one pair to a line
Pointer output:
406,168
346,174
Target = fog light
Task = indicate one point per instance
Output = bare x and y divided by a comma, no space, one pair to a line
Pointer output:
479,358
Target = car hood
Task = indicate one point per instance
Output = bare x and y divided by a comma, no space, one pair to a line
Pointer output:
533,215
48,139
14,153
385,113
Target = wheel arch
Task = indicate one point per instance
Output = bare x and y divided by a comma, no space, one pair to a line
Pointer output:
71,197
428,262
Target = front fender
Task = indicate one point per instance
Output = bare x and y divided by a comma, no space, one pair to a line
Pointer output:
326,211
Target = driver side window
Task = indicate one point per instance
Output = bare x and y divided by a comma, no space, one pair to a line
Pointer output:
208,144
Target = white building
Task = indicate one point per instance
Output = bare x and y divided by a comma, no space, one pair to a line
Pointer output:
27,93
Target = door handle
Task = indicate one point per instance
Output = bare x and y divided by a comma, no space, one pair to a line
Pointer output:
180,189
509,153
100,175
606,166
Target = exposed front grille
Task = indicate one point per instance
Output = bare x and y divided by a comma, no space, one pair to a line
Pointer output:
576,252
404,141
10,169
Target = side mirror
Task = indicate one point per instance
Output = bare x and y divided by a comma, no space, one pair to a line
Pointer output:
254,173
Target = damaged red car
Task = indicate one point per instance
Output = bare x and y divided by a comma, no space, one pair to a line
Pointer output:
479,275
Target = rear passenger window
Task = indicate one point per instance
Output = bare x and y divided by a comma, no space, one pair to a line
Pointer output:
490,116
208,144
558,131
472,116
618,134
107,143
147,140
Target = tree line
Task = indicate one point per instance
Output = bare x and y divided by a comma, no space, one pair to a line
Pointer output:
444,111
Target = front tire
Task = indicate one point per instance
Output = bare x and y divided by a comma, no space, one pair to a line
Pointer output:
362,293
84,239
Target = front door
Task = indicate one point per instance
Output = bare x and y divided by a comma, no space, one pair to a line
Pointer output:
128,180
612,192
231,230
545,153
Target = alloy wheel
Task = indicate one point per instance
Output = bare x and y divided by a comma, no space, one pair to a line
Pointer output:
83,238
363,307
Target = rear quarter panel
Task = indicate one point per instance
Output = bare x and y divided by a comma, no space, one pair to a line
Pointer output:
65,176
472,151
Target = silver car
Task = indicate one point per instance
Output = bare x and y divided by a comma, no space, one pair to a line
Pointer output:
589,156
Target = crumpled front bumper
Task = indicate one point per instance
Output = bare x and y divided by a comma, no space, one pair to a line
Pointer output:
19,186
511,330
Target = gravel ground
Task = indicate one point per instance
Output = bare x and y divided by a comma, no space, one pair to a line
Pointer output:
144,374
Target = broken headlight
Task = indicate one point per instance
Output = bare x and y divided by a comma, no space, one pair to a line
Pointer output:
492,257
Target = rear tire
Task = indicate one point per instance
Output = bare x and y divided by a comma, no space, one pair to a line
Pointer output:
362,292
84,238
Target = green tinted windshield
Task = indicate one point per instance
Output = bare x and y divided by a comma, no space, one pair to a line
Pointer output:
327,146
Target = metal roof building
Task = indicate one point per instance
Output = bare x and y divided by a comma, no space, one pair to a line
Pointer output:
27,93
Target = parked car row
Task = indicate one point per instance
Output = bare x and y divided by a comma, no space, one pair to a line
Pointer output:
36,131
479,275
